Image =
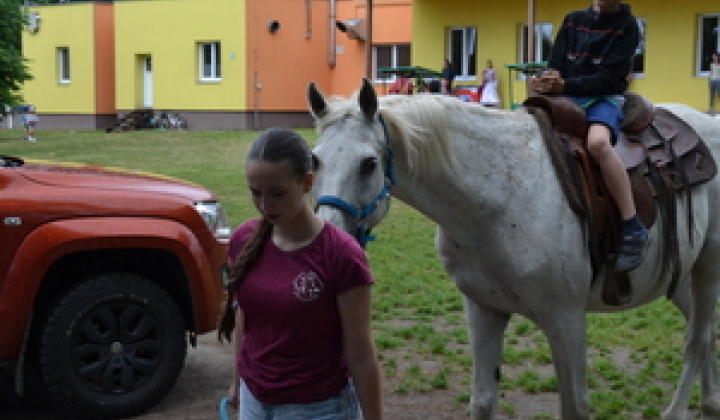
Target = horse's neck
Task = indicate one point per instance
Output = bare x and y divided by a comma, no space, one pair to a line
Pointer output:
501,172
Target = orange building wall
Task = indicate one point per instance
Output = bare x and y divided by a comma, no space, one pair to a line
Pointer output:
283,63
392,21
104,58
392,24
350,68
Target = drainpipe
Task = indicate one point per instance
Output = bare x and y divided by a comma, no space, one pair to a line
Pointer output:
530,42
531,31
308,17
256,110
331,47
369,41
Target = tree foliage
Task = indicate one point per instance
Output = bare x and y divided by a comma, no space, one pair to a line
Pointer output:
13,66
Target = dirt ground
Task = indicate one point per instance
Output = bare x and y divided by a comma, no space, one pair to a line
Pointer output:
206,376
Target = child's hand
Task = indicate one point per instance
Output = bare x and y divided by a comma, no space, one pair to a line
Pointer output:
548,81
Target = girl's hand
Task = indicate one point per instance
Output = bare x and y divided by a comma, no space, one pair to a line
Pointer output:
233,395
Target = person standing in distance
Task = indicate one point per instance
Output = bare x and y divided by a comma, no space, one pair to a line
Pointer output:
714,81
448,75
590,62
29,120
299,300
490,97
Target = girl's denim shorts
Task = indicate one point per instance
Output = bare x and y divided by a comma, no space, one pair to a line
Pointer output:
343,406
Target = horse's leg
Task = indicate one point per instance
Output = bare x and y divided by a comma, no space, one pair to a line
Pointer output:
710,387
682,298
486,328
565,330
705,295
699,354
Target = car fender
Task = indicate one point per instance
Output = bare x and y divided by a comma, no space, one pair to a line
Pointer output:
54,240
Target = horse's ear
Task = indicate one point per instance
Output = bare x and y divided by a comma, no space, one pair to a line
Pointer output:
368,99
318,106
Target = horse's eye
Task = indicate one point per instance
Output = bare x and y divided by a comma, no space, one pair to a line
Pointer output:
368,165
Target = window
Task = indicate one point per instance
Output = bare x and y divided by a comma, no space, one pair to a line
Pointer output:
638,68
543,42
209,53
63,64
708,41
461,51
390,56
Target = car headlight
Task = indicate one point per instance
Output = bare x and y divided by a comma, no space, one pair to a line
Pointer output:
215,217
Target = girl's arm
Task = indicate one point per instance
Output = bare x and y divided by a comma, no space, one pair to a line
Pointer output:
355,312
238,334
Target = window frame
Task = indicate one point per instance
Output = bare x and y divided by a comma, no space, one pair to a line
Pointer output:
540,29
63,65
699,61
641,48
215,71
394,59
467,69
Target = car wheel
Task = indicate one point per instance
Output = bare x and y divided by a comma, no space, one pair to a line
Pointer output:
112,347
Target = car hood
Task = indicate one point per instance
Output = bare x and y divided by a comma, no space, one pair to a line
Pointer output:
81,175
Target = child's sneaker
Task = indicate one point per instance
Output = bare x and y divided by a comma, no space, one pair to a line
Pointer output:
631,250
31,139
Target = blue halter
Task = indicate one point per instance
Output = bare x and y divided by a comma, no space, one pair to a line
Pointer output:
362,233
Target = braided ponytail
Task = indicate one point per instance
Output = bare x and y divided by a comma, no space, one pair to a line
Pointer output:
272,145
243,263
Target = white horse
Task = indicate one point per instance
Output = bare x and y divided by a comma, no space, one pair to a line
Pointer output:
506,234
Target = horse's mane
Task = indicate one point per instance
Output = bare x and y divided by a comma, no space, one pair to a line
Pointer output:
418,125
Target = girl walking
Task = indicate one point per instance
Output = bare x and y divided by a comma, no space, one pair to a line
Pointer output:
299,301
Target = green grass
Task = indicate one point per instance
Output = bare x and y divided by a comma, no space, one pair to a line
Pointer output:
634,356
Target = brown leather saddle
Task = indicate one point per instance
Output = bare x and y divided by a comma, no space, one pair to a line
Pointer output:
663,156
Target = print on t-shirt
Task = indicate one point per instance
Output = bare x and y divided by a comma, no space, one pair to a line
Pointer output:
308,286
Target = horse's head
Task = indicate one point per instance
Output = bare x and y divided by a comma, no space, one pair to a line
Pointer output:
354,162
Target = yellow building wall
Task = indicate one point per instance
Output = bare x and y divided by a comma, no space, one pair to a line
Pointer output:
671,41
672,51
169,31
68,25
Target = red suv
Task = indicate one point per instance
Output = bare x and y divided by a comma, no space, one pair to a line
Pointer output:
105,275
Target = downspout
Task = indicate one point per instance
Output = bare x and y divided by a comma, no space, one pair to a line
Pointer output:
530,41
308,18
531,32
369,41
256,100
332,41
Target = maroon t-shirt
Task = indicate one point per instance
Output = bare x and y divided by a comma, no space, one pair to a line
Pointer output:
292,349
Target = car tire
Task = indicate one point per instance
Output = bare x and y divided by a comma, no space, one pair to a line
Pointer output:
112,347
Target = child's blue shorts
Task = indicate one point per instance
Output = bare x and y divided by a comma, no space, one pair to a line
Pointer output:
604,110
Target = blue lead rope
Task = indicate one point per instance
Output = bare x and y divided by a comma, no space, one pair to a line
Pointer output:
223,408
